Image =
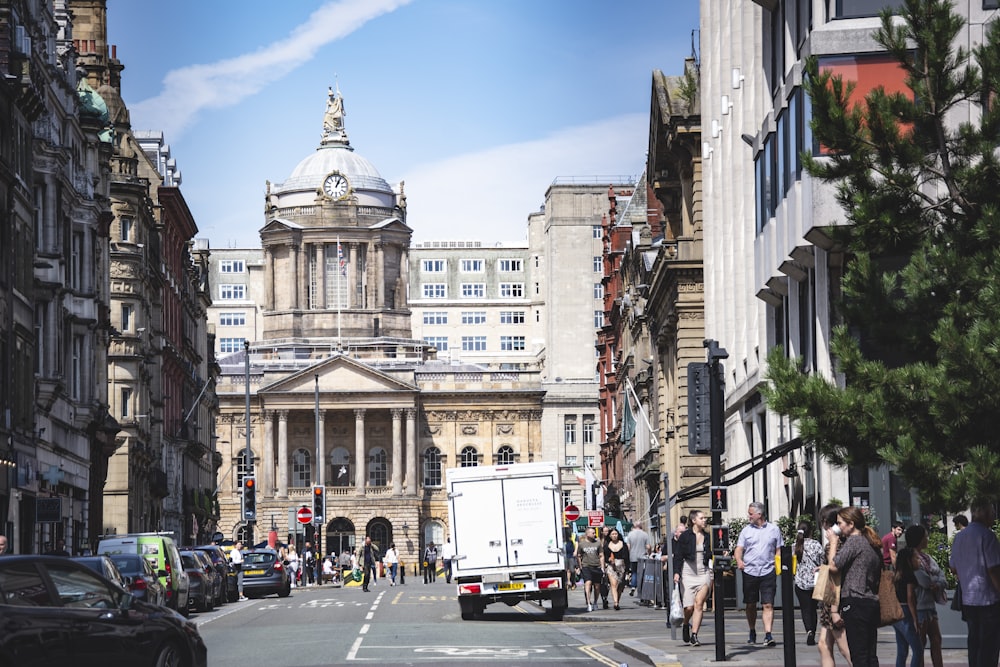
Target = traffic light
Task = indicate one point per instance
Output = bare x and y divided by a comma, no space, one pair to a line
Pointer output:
319,503
719,496
249,499
699,409
720,538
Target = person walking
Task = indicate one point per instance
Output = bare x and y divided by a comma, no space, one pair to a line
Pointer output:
930,591
307,563
639,544
236,561
430,563
570,549
756,549
370,556
446,554
345,564
691,569
809,556
908,642
831,624
292,557
588,557
889,545
860,564
391,561
614,561
975,560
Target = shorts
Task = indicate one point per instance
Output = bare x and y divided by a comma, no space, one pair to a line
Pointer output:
759,588
924,615
592,574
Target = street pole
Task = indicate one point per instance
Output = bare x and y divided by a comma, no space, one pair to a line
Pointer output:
318,548
716,384
249,452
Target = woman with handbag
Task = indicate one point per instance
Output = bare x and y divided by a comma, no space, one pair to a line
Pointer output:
691,565
930,592
859,561
908,641
809,556
827,592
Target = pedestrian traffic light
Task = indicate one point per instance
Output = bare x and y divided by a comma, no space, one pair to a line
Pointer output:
720,538
249,499
719,496
319,503
699,409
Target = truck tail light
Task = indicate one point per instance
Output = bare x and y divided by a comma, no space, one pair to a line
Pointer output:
469,589
546,584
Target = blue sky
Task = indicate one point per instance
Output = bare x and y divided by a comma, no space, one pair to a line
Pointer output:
477,105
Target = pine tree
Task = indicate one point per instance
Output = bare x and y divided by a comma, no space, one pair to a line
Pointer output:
917,349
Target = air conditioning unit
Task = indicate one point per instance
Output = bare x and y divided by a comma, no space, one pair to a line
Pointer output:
22,41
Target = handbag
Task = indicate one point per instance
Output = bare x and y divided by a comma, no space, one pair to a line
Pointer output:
889,608
827,589
676,608
956,599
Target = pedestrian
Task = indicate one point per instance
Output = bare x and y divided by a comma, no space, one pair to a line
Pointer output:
615,560
307,564
588,557
430,563
808,556
960,521
570,549
391,561
890,544
329,569
831,624
691,566
236,561
3,544
930,591
639,544
446,553
345,563
860,564
370,556
908,642
756,549
293,565
975,560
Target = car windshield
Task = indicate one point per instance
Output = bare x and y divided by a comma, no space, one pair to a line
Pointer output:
128,566
189,562
258,559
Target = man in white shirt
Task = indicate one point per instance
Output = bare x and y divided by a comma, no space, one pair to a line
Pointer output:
236,558
639,545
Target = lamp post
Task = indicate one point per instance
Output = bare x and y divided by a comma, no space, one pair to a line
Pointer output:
249,452
318,520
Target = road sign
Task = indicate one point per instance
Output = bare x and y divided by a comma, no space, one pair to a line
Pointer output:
304,515
572,512
595,518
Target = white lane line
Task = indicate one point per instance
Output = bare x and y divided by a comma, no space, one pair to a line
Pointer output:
364,629
370,616
353,653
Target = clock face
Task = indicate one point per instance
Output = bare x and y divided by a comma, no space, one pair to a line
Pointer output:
335,186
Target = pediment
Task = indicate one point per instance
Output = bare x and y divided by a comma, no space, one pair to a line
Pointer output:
280,225
392,224
339,374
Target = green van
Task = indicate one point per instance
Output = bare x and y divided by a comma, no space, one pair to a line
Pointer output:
161,551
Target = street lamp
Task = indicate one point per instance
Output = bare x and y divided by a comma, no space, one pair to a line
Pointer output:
249,452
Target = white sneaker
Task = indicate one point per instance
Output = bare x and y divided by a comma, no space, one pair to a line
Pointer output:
590,607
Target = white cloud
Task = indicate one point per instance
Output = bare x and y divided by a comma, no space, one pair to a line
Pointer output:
189,90
489,194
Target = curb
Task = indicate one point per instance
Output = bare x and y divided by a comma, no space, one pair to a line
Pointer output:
647,653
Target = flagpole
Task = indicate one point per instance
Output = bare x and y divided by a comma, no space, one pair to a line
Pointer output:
638,405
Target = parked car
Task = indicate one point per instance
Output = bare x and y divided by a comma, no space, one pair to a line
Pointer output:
55,612
140,578
264,574
161,551
104,566
200,595
218,582
221,561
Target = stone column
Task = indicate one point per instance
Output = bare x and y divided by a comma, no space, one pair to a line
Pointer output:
321,277
359,451
268,280
282,453
321,471
355,298
293,262
380,275
267,465
397,451
301,276
412,466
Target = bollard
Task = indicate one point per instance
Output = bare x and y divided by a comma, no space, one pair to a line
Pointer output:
787,606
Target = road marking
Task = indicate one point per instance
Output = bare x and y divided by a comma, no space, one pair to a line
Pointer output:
353,653
364,629
480,652
591,652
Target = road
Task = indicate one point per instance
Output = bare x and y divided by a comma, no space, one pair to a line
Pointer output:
413,624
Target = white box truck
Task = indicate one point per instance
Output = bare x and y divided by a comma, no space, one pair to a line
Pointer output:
507,536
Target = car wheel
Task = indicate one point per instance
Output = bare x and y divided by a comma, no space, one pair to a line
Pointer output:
169,655
286,591
206,604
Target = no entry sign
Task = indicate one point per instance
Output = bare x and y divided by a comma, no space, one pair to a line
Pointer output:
304,515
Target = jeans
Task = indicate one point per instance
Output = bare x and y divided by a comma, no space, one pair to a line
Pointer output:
393,569
861,619
908,641
808,607
984,640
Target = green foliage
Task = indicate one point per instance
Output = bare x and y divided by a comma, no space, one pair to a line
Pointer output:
790,527
939,548
735,527
917,348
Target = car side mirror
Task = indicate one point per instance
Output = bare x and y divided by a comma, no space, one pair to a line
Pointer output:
126,602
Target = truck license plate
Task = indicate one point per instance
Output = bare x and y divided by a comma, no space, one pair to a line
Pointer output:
511,586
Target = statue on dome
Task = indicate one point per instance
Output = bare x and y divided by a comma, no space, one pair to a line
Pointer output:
333,119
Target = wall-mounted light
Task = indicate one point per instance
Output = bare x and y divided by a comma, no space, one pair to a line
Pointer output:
738,78
716,128
747,139
727,105
706,150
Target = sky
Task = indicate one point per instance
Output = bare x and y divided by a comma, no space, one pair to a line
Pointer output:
476,105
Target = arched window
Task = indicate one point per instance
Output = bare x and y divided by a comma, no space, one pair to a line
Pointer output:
381,533
505,456
301,468
470,457
433,532
376,467
432,467
340,468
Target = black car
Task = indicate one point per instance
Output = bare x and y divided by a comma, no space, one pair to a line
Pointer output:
105,567
201,594
264,574
221,562
56,612
140,578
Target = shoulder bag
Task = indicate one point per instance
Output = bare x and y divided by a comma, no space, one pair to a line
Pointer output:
889,608
827,589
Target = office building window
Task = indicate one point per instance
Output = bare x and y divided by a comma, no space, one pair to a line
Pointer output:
511,290
571,459
125,233
125,402
598,319
435,317
598,265
569,431
512,343
434,265
232,266
127,313
589,429
473,317
434,290
511,265
230,345
598,291
232,292
471,265
232,319
473,290
511,317
597,231
589,460
473,343
439,342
